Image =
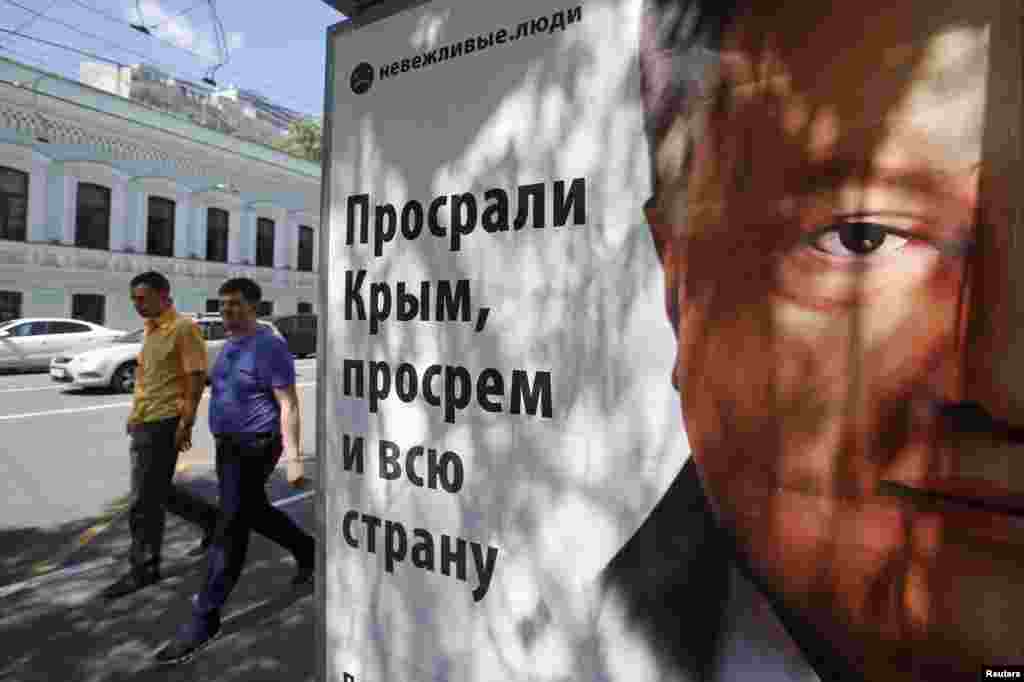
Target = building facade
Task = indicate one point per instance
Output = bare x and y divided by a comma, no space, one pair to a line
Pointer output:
96,188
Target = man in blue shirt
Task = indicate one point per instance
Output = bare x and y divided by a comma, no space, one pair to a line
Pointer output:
254,417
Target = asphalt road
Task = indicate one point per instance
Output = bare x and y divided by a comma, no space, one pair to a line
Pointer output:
65,452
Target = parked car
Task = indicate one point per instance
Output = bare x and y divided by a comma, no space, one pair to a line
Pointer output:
31,343
114,365
299,330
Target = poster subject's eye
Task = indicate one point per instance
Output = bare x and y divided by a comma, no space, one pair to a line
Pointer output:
858,239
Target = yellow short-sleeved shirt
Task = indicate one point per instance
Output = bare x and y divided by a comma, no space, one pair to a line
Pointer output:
172,348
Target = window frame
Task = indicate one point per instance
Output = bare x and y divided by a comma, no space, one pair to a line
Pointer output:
6,209
264,251
19,305
102,301
87,241
167,202
310,249
221,241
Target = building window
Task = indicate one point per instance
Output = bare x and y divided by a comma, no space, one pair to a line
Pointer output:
217,235
305,307
160,227
265,242
213,306
10,305
89,307
92,217
305,248
265,308
13,204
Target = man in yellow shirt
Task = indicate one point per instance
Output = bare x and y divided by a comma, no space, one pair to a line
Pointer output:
169,380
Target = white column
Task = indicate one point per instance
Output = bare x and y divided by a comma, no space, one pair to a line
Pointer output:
293,242
284,225
119,234
142,211
182,224
235,253
198,232
38,213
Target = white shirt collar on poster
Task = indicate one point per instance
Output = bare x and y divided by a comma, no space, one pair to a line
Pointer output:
755,645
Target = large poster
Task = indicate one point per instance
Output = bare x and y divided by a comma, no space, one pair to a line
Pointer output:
673,340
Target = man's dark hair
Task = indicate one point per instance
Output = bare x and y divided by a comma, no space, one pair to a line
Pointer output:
152,279
249,290
680,46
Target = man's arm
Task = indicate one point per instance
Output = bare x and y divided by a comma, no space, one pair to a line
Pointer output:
136,393
192,352
288,399
282,382
195,383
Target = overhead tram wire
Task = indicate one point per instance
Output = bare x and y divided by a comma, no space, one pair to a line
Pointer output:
123,22
61,46
76,50
118,20
28,24
113,45
108,60
179,14
225,55
27,57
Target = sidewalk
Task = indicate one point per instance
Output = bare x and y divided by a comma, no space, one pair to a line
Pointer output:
61,630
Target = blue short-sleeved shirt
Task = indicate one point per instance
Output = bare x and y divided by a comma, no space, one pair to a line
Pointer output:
243,380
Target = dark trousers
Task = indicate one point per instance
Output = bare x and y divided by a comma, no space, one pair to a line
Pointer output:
154,460
242,472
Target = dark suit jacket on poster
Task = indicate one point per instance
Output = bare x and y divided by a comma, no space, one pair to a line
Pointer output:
673,578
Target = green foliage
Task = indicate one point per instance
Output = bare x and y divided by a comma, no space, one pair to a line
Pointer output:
302,140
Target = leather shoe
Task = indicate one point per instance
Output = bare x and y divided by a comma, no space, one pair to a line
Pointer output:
304,574
132,582
191,639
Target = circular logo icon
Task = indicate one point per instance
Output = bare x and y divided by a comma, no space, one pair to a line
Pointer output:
361,78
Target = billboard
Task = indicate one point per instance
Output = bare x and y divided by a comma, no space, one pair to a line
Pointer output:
671,340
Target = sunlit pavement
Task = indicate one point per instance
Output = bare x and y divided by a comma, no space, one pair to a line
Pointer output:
63,537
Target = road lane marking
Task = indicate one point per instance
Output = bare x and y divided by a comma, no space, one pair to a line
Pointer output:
303,364
88,566
70,410
31,388
106,406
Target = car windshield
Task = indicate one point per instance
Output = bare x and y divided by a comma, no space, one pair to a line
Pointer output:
131,337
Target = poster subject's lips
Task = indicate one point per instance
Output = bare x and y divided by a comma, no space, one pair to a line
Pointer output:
977,507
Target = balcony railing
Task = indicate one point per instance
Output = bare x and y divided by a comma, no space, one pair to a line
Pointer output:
68,257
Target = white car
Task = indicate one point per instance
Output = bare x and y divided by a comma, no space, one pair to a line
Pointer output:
113,365
31,343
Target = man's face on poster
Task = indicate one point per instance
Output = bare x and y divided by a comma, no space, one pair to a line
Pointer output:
817,216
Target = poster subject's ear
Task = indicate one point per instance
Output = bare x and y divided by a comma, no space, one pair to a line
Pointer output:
670,253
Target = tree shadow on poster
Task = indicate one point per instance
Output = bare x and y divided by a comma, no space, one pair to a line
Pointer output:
817,240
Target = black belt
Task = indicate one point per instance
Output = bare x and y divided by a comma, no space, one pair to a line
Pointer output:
245,437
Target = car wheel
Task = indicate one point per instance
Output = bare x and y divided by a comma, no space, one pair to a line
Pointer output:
123,380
